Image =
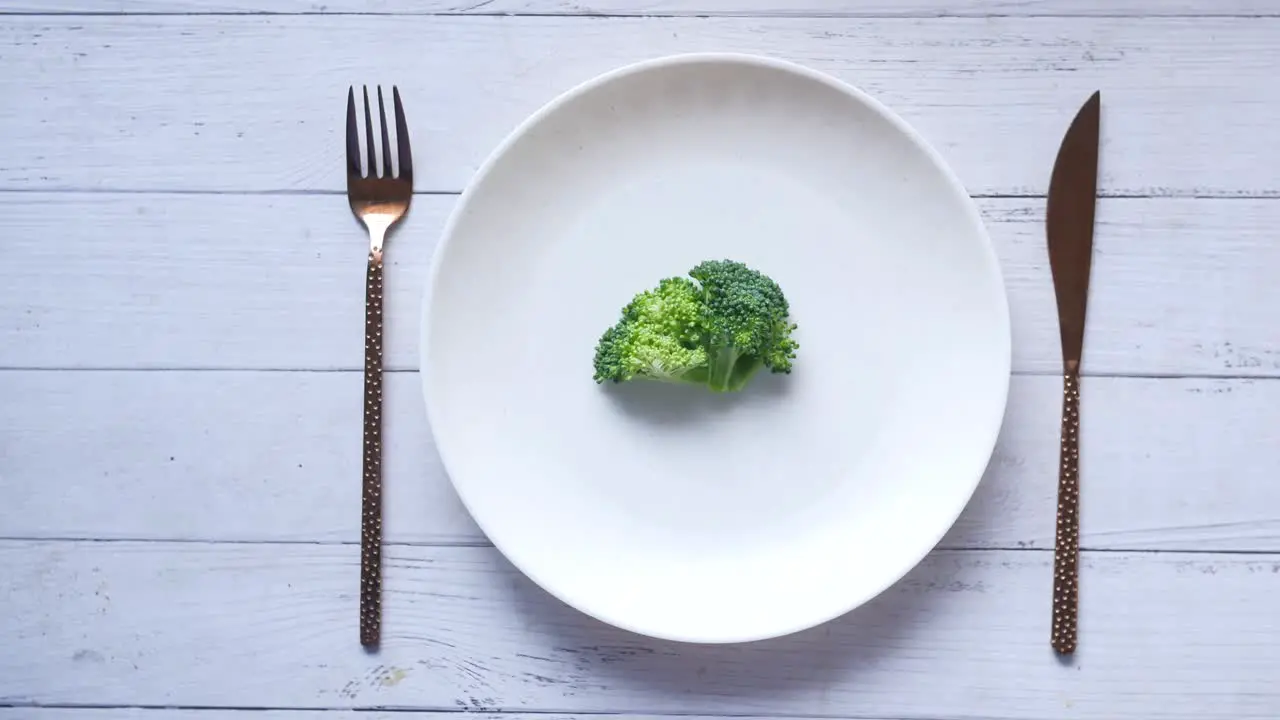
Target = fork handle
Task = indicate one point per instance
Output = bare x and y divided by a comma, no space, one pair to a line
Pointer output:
371,501
1066,551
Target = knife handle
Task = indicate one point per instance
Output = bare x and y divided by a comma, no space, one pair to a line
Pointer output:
371,496
1066,551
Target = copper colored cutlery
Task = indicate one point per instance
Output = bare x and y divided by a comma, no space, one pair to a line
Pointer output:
1073,190
379,198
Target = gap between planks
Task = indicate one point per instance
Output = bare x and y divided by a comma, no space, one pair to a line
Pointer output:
447,544
351,370
1171,194
90,711
696,14
910,9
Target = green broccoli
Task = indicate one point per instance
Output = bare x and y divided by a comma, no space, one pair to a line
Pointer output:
717,332
745,324
659,337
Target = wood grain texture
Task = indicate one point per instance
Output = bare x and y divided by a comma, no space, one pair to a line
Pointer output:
800,8
254,103
1170,464
961,636
104,280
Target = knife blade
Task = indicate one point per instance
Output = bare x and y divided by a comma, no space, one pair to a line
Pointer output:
1069,216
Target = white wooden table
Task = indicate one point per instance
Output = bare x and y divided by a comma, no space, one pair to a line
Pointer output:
180,322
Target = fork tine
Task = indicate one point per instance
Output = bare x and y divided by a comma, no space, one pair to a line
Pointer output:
402,137
353,135
368,136
386,142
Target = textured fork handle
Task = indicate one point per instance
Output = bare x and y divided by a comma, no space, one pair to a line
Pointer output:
1066,552
371,501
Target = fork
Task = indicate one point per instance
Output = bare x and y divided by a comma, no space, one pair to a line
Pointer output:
379,200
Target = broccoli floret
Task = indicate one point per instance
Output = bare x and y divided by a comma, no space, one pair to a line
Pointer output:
659,337
745,321
717,332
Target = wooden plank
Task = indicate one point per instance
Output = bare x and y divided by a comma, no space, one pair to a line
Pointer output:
1167,464
78,712
762,8
964,635
233,103
36,712
97,280
137,713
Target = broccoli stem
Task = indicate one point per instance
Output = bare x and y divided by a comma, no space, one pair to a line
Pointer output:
746,366
730,369
720,372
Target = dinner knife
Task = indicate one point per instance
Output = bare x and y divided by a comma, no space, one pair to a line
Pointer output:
1073,191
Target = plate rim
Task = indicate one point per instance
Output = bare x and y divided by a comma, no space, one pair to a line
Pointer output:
935,158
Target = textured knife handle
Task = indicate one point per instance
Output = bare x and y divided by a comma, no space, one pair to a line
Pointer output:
371,501
1066,552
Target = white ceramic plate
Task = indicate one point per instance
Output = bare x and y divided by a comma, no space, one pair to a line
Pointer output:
670,511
